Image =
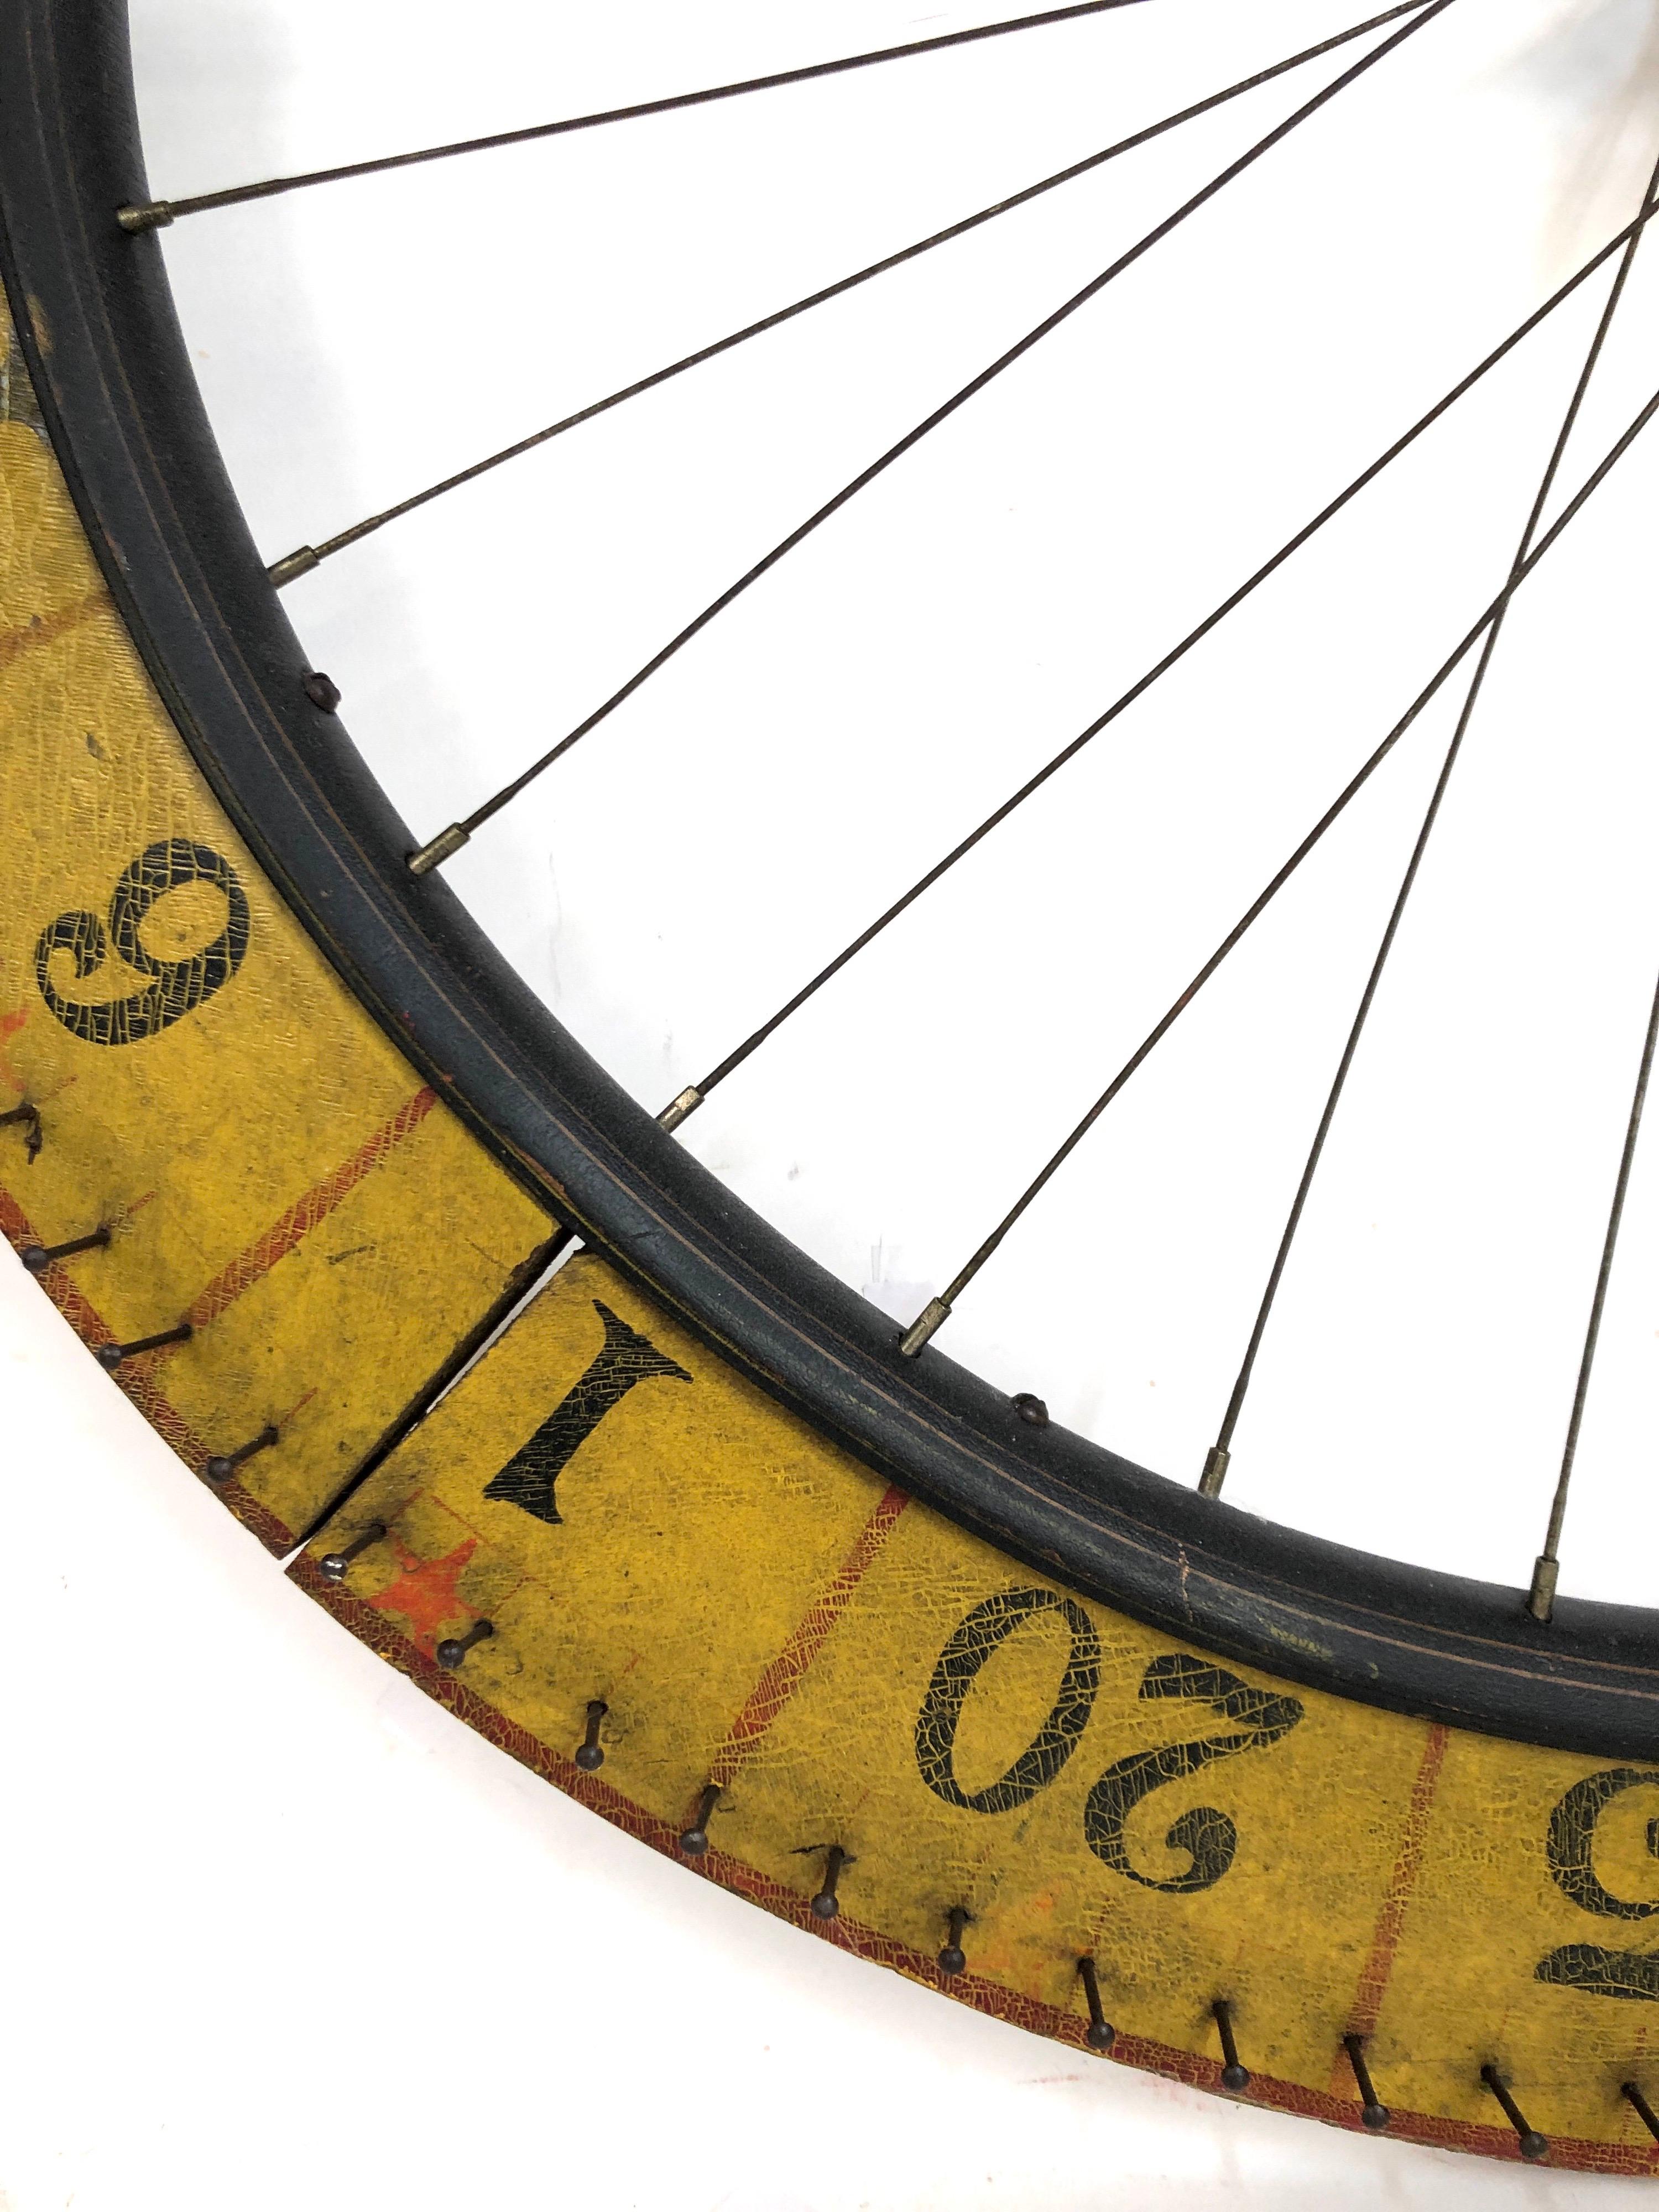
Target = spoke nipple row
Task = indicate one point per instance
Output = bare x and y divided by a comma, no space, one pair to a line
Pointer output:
37,1258
111,1356
444,847
1215,1471
299,562
681,1109
154,214
927,1323
1632,2096
1031,1410
223,1465
590,1752
1100,2034
27,1118
827,1904
1540,1598
1373,2112
1533,2145
454,1648
695,1842
333,1564
952,1960
1233,2076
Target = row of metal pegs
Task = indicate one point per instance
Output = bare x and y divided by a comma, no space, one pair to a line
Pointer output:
1100,2034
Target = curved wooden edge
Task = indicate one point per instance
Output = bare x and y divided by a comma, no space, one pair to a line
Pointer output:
115,385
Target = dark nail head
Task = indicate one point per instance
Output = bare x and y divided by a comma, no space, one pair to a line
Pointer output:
590,1756
109,1357
1100,2035
1375,2118
323,691
952,1960
333,1567
220,1470
694,1842
450,1651
1533,2145
1031,1411
825,1906
1235,2077
37,1259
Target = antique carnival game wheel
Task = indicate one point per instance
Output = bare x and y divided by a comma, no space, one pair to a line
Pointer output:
1124,767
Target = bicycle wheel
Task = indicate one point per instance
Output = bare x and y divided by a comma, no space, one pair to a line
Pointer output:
701,1535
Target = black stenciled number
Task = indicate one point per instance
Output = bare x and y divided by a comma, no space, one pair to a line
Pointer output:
625,1358
1209,1835
176,987
987,1627
1571,1845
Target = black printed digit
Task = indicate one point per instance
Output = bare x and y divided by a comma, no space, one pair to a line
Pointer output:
1209,1836
625,1358
987,1627
175,988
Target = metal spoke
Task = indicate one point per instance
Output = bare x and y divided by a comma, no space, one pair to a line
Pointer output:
1547,1568
449,841
155,215
305,558
1220,1454
690,1099
938,1311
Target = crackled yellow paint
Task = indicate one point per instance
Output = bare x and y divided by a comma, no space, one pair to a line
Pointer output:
1387,1877
754,1609
269,1165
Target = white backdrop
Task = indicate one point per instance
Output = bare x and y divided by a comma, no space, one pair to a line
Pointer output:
279,1930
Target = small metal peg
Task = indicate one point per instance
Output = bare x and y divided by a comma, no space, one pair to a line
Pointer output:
37,1258
444,847
681,1109
952,1960
1233,2076
1031,1411
223,1465
827,1905
927,1324
454,1648
1373,2112
332,1566
1100,2034
590,1752
1540,1598
299,562
695,1842
323,691
1533,2145
111,1356
1215,1472
29,1119
1632,2096
154,214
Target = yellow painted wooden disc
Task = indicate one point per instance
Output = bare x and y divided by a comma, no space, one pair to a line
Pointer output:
813,1688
